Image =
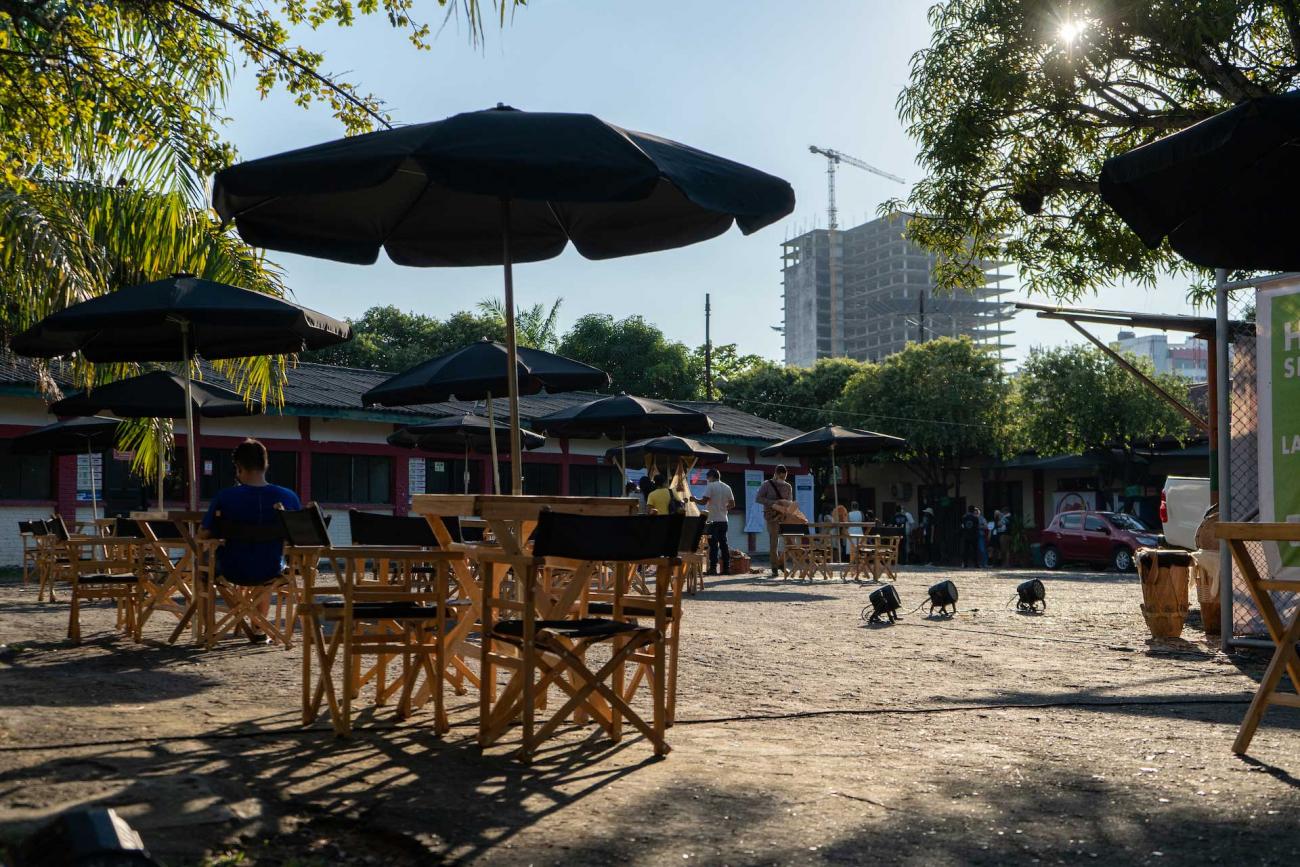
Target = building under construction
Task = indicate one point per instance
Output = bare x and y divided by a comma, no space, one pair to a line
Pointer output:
874,293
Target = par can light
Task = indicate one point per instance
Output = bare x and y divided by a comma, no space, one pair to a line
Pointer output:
1032,593
943,596
884,602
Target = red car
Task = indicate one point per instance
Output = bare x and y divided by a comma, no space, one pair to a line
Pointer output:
1095,537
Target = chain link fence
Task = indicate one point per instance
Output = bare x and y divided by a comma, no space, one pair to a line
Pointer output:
1241,501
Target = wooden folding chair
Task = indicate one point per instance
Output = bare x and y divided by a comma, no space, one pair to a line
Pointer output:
641,605
27,531
167,566
57,553
243,602
866,557
104,568
1285,657
370,529
550,637
405,616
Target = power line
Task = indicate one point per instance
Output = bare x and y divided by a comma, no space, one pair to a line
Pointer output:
829,412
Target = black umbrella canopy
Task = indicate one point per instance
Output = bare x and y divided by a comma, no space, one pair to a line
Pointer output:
843,440
479,370
668,446
158,394
144,323
71,436
430,194
621,416
1222,191
455,433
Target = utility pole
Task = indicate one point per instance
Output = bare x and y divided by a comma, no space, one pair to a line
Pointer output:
708,350
920,320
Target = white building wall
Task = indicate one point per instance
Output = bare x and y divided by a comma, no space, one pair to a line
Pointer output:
11,544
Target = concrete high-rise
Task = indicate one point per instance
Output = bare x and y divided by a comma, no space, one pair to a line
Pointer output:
873,293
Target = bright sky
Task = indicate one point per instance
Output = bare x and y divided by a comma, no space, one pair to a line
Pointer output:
757,81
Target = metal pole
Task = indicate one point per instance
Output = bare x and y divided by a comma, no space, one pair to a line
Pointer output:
492,438
708,350
1224,442
920,321
90,466
162,467
191,447
512,363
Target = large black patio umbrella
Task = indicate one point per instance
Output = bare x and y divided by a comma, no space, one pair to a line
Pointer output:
1222,191
623,416
161,394
469,432
71,436
833,440
479,371
669,447
178,319
493,188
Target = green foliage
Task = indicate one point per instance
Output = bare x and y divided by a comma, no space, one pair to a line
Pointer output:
535,327
87,82
389,339
801,397
637,356
1015,112
947,397
728,364
1071,399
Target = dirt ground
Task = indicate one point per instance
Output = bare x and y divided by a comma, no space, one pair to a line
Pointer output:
803,737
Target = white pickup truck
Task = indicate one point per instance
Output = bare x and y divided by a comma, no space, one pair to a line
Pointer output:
1183,504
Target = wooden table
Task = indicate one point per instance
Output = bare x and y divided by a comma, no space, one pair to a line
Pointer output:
840,530
1285,657
183,577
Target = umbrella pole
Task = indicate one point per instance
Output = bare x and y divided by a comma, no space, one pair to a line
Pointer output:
492,438
512,362
162,468
465,468
191,447
835,478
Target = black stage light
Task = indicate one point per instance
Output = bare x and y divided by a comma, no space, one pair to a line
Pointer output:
943,596
91,836
885,602
1031,593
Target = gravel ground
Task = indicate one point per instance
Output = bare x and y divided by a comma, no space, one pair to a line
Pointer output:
803,737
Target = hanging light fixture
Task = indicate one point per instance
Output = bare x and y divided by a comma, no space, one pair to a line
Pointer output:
884,602
943,596
1032,593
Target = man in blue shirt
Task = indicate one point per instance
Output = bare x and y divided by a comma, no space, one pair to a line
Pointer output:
252,501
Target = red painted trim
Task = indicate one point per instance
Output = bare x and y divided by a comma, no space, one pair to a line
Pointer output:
26,503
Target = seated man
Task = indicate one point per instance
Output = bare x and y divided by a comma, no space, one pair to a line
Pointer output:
253,501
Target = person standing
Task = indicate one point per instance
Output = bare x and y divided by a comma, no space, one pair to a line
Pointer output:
981,539
661,500
927,535
1004,538
970,530
719,500
773,491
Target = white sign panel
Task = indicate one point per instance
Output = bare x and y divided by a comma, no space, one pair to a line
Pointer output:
803,496
753,511
415,475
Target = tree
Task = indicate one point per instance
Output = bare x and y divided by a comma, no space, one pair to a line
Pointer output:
386,338
87,82
947,397
1017,103
727,364
803,398
637,356
535,327
1072,399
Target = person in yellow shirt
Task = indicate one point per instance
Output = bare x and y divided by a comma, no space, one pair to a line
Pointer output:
660,499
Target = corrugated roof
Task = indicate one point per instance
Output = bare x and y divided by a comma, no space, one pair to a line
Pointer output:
322,389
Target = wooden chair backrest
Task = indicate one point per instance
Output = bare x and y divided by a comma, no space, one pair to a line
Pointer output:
305,527
369,528
610,538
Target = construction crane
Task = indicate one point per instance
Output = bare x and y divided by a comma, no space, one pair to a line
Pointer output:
833,159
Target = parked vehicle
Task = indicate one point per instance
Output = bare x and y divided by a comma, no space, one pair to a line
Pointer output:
1108,538
1183,504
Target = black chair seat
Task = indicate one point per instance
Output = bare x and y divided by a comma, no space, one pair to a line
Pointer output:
108,579
638,608
587,627
390,610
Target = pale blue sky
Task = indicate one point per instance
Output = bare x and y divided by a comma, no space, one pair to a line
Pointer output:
754,80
